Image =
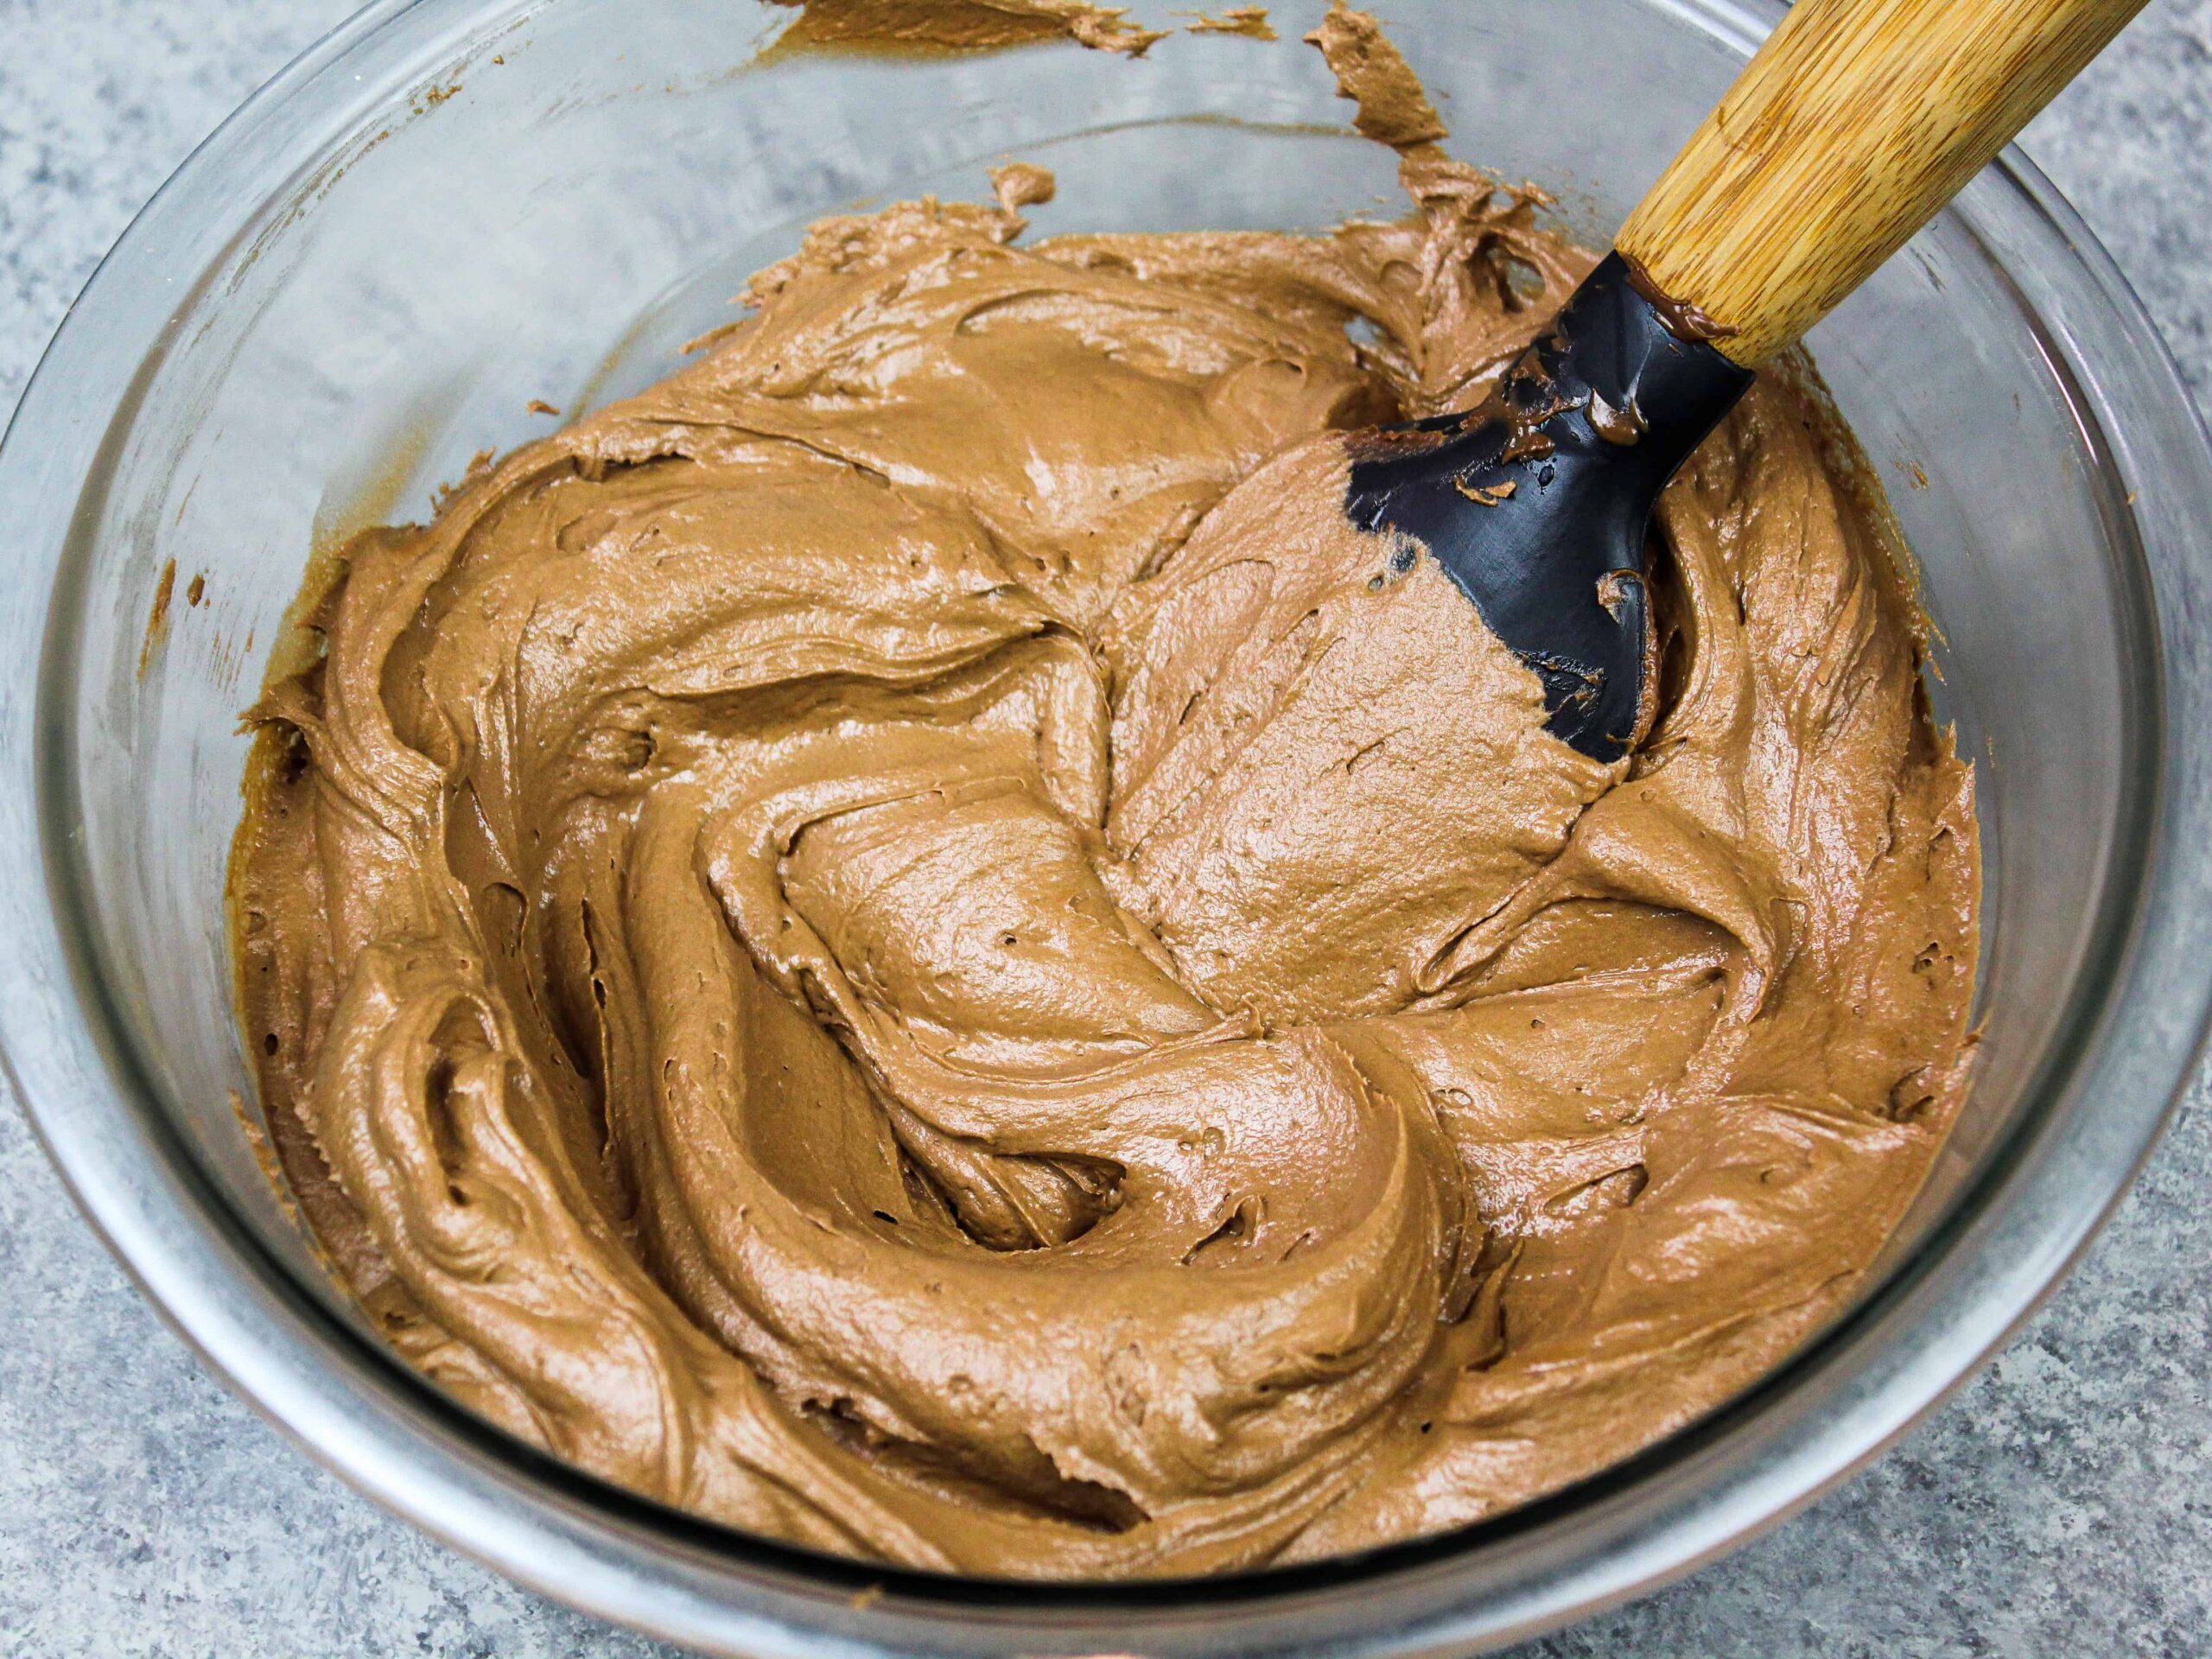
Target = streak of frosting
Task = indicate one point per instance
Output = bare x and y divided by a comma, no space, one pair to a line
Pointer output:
1392,108
961,25
1251,22
908,941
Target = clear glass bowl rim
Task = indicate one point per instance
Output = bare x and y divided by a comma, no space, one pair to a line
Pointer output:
351,1403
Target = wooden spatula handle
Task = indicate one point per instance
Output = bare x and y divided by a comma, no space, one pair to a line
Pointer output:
1857,120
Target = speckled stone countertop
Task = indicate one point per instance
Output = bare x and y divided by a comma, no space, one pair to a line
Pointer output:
2061,1504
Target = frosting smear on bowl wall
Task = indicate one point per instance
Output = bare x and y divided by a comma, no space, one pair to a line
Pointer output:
909,941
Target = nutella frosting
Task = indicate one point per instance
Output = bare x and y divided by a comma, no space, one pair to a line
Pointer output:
909,942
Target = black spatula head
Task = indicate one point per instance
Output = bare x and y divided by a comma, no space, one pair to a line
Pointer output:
1538,503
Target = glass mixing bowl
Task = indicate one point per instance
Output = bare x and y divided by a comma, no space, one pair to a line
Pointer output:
453,206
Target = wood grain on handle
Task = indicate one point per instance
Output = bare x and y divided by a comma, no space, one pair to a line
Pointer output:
1857,120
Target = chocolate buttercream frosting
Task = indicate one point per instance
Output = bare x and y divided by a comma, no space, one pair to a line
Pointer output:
908,941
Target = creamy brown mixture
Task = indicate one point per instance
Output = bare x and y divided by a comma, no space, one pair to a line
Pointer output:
909,942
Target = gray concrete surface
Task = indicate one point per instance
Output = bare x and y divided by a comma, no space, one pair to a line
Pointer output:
2061,1504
